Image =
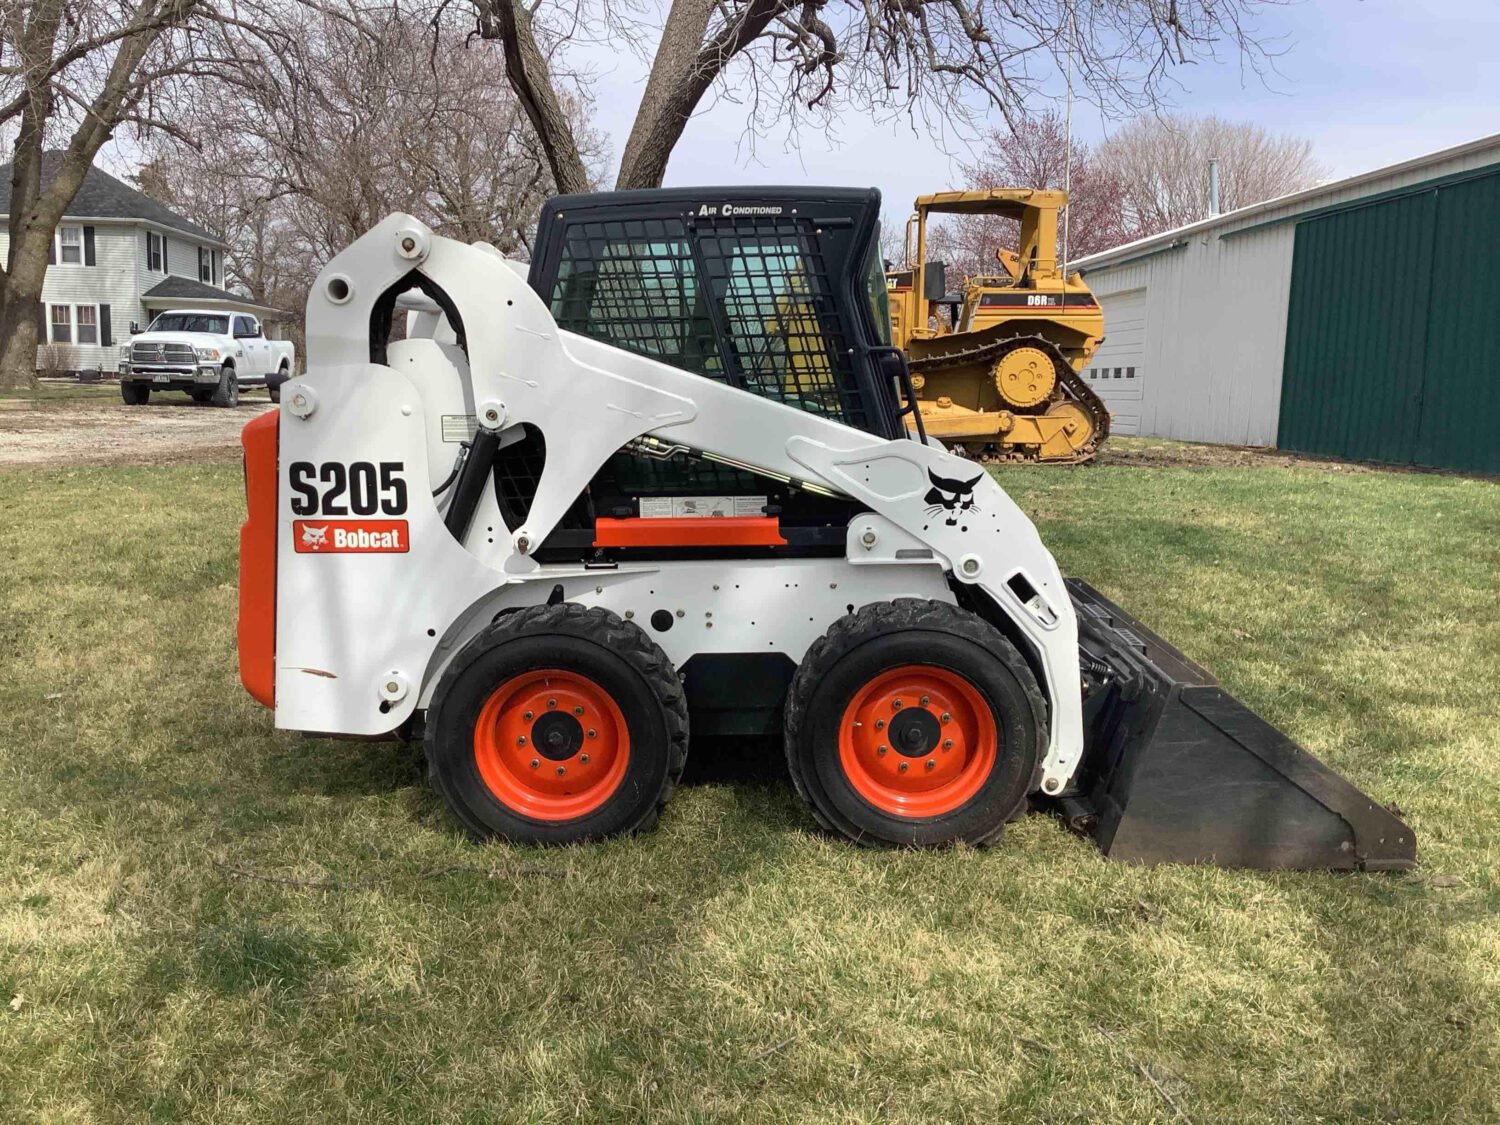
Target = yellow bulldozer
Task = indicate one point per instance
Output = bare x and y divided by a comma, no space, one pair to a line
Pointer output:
1001,378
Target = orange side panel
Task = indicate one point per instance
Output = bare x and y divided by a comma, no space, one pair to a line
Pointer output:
256,631
692,531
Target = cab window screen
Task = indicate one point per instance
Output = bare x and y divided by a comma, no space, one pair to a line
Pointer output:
746,301
771,313
635,285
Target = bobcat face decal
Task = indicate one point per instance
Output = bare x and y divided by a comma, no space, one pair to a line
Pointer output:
950,497
314,538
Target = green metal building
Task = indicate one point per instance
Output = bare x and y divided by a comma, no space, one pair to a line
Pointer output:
1359,320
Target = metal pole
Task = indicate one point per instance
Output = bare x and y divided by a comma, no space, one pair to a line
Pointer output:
1067,216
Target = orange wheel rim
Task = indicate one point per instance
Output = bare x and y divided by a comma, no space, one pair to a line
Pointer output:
918,741
551,745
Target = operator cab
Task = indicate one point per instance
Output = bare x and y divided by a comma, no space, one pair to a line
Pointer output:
779,292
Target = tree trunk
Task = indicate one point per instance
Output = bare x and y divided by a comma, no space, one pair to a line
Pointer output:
20,303
26,258
18,342
531,78
683,70
670,95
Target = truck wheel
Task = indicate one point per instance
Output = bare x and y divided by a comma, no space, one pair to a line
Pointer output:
227,393
282,376
135,394
556,724
914,722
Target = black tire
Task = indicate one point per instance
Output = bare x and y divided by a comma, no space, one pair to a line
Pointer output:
876,641
227,393
274,389
135,394
618,658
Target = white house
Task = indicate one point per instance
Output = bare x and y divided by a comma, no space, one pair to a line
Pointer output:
119,258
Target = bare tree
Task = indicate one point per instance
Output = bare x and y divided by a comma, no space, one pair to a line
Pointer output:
1163,163
790,60
893,240
71,73
359,112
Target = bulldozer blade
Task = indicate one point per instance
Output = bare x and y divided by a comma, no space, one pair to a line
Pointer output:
1177,770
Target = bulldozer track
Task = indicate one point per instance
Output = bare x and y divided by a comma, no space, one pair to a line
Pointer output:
1070,382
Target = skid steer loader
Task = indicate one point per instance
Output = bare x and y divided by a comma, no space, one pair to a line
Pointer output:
1002,379
662,479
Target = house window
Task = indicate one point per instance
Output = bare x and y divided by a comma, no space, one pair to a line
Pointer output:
70,245
154,252
205,266
62,324
88,324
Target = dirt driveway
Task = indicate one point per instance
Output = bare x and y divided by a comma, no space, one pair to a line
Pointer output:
170,430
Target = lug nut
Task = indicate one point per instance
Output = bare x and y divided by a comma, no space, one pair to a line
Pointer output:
879,724
551,703
947,744
593,733
946,718
578,710
521,741
931,764
924,701
902,767
584,758
895,705
535,762
561,770
527,716
881,751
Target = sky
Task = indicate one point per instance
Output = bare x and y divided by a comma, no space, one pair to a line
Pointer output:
1369,82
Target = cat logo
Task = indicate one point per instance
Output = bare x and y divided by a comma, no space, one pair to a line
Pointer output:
350,537
950,498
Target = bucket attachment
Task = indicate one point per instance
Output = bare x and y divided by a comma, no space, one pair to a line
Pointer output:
1176,770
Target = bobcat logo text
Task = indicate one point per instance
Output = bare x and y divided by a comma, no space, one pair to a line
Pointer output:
350,537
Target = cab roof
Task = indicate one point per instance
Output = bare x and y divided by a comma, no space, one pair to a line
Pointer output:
1012,202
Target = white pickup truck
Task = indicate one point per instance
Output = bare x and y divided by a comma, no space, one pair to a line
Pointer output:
209,353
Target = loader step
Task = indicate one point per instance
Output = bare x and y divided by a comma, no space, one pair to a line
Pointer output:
1177,770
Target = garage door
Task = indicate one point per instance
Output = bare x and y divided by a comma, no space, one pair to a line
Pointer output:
1391,324
1116,372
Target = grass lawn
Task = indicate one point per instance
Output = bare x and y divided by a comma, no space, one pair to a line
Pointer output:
61,394
202,919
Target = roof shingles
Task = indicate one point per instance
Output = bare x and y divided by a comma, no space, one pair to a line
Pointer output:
101,196
186,289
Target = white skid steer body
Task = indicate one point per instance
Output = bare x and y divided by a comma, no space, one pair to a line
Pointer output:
362,635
